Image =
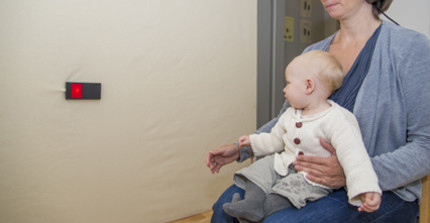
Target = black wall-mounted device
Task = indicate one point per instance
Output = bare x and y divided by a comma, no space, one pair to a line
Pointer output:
80,90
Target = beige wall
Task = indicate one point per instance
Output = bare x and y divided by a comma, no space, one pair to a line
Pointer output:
412,14
178,78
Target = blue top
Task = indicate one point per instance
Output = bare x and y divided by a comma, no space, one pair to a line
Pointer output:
347,93
392,107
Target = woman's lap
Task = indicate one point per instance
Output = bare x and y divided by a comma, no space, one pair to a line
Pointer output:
332,208
335,208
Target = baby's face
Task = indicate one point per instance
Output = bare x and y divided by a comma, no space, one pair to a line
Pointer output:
295,89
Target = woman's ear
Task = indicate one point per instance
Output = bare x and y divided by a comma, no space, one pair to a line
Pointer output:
310,85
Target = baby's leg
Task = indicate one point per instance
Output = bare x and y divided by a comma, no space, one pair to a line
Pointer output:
236,198
274,203
251,207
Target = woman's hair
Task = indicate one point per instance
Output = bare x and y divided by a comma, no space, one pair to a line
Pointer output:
379,6
325,67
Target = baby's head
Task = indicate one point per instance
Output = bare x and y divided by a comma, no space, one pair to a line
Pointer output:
316,73
323,66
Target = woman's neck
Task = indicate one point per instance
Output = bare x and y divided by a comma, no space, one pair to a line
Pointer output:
357,29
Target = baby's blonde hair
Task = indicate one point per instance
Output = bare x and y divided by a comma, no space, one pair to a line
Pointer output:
325,67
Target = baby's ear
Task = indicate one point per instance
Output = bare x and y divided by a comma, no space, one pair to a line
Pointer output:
310,85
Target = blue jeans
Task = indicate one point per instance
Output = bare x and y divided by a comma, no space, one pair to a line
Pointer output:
333,208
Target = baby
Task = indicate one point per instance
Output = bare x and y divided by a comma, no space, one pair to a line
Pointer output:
272,183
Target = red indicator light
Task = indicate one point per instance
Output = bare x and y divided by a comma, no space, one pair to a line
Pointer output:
76,90
80,90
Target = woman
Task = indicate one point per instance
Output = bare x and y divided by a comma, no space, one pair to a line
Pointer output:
387,70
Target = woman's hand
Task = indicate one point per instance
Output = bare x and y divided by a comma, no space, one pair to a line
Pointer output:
323,170
221,156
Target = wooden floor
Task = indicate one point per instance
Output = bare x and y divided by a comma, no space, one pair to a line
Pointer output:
200,218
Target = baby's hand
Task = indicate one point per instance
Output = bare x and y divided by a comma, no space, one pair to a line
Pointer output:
243,141
371,202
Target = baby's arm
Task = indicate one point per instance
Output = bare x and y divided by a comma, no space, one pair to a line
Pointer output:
351,152
244,141
371,201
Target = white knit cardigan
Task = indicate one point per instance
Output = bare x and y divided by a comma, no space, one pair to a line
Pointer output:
295,133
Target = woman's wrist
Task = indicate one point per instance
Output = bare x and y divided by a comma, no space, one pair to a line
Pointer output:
236,147
244,153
